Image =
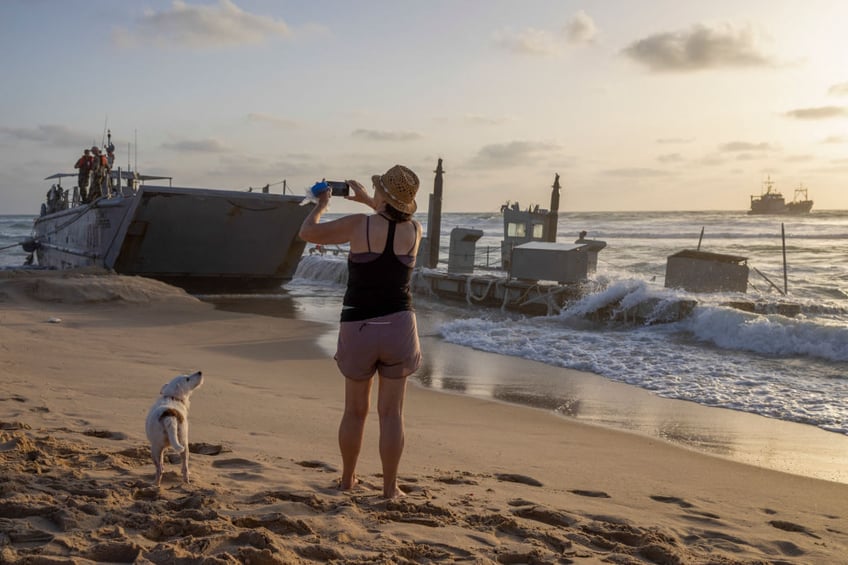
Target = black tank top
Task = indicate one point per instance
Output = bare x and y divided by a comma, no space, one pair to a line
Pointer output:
378,287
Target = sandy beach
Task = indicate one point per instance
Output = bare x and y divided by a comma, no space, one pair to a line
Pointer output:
83,356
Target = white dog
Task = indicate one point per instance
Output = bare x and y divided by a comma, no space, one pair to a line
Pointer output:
167,421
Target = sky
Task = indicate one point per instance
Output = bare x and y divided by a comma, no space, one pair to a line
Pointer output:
637,105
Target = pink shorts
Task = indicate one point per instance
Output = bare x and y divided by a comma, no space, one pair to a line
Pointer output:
386,344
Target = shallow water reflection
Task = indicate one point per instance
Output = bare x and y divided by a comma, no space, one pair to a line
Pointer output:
740,436
588,398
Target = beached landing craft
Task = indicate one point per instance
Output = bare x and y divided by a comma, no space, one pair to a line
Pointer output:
773,202
201,239
534,274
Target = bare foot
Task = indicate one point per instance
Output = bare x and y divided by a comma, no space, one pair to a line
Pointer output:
347,485
391,495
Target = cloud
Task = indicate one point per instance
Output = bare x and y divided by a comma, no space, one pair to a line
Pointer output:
53,135
277,121
581,29
741,146
749,156
820,113
670,158
378,135
635,172
528,41
835,139
697,49
197,146
711,161
799,158
675,140
479,120
840,89
514,153
201,26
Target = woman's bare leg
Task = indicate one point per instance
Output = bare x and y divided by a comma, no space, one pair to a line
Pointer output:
352,427
390,409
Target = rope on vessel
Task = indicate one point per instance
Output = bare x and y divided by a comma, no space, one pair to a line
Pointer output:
469,294
249,209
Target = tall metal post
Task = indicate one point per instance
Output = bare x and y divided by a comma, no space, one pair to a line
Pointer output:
785,274
434,219
553,216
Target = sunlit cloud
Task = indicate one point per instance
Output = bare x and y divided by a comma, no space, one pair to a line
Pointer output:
264,170
698,48
671,158
741,146
581,29
479,120
379,135
820,113
840,89
277,121
528,41
675,140
54,135
750,156
196,146
635,172
711,161
200,26
514,153
835,139
799,158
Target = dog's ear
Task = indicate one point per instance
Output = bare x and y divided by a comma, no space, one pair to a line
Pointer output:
162,390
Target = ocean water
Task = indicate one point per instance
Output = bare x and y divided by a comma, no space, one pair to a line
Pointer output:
787,368
13,230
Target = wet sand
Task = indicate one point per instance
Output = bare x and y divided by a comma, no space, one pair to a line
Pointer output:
82,360
589,398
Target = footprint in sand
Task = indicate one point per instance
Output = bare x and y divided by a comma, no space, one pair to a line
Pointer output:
245,470
691,512
546,516
590,493
104,434
318,465
14,397
14,426
672,500
792,527
514,478
457,479
207,449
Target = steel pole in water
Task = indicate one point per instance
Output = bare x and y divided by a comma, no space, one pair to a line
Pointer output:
434,220
785,277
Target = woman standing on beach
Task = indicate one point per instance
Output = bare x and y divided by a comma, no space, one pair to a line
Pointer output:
378,331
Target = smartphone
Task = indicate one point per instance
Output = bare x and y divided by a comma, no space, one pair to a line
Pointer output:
338,188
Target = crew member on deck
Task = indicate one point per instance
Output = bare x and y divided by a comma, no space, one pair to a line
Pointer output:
84,164
100,172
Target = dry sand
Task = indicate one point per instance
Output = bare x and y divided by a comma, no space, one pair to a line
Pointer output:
82,358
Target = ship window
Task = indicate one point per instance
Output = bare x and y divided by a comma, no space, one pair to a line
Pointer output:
538,231
516,230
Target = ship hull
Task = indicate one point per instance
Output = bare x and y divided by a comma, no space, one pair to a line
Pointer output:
203,240
791,209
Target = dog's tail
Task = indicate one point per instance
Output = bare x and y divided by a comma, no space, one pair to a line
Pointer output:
171,422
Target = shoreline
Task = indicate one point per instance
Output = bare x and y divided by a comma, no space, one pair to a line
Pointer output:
594,399
487,482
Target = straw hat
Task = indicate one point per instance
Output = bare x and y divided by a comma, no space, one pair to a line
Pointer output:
399,186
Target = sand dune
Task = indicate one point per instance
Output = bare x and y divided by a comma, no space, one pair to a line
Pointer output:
82,358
